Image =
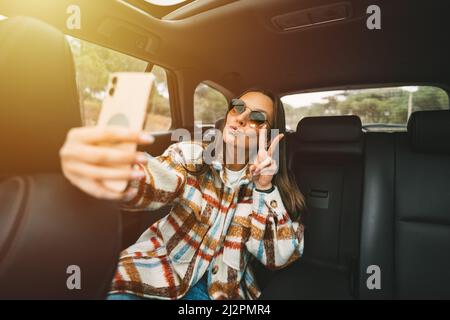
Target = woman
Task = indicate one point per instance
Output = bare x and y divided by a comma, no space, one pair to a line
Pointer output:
223,213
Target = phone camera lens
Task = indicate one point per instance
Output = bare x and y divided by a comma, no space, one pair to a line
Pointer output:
111,92
114,81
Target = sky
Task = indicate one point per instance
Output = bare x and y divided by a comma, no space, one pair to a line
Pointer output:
306,99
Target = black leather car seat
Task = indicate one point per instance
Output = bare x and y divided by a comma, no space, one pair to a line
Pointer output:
326,157
46,224
406,211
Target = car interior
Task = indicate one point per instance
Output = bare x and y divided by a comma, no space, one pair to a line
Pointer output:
376,199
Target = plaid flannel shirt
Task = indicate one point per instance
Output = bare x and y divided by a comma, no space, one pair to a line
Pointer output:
212,228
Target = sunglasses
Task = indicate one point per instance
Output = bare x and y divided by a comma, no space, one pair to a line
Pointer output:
256,118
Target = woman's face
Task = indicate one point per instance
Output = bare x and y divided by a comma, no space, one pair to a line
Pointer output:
238,123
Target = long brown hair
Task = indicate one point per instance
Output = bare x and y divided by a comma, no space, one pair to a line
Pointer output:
293,199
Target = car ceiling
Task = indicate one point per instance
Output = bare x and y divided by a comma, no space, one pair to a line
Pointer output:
236,45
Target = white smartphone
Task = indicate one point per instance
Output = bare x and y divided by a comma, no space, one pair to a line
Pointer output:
125,105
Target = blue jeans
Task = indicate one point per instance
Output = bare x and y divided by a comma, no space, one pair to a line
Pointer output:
198,292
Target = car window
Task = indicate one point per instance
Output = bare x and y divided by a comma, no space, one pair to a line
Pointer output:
158,112
93,65
381,109
210,105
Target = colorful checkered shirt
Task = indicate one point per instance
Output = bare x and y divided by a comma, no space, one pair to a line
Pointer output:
212,229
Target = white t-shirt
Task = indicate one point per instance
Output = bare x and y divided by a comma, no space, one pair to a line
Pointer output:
233,177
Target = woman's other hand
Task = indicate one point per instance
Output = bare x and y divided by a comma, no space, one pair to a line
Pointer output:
264,167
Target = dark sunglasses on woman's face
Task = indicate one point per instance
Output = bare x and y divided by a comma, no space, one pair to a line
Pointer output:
256,118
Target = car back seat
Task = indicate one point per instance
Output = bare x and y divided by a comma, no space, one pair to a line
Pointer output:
326,157
406,211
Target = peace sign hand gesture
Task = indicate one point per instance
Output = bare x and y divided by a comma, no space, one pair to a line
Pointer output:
264,166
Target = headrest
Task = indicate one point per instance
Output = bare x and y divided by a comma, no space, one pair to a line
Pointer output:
330,129
429,131
38,96
339,136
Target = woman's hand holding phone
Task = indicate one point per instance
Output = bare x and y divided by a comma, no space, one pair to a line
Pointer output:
99,159
90,156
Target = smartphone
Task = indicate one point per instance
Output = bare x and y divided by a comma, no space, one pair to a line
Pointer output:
125,105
